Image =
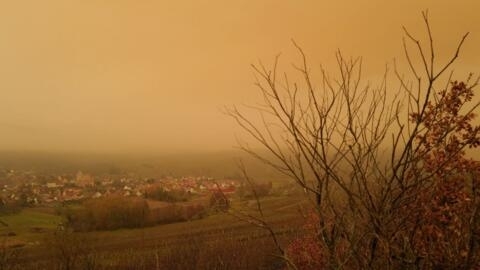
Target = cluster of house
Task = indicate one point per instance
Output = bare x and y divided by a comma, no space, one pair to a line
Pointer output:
33,190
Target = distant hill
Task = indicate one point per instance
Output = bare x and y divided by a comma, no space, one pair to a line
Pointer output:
213,164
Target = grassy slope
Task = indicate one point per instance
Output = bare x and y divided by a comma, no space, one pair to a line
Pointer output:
29,226
279,211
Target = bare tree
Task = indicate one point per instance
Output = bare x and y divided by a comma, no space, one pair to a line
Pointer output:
361,152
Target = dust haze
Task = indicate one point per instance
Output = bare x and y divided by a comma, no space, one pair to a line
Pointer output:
153,76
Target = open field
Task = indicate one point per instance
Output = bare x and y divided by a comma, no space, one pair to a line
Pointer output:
221,235
28,226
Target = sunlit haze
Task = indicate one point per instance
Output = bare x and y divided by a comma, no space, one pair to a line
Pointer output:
114,76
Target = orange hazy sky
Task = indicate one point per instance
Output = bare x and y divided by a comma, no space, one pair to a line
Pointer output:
140,75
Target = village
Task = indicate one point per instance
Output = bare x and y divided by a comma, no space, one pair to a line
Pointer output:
29,189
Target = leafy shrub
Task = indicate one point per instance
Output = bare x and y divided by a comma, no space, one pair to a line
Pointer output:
193,211
109,213
114,212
